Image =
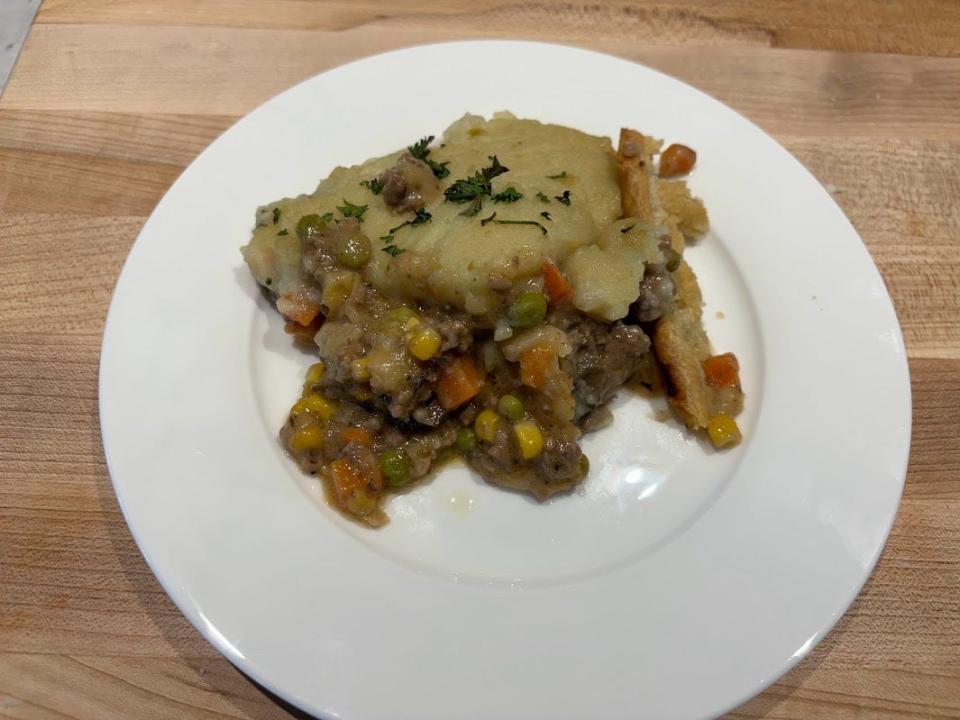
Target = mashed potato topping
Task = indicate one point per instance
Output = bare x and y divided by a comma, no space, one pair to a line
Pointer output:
544,161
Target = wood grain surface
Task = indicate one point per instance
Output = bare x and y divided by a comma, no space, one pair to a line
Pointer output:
111,100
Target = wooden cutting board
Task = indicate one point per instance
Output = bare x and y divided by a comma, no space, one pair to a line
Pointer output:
111,100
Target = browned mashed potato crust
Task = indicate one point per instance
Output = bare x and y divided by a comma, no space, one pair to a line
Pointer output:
487,296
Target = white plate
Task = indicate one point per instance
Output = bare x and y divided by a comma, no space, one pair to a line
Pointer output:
677,583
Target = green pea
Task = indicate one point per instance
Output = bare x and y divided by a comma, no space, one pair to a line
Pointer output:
309,226
353,252
396,467
527,310
511,407
466,440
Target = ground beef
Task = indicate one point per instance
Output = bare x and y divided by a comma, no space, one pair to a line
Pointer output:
559,467
430,415
318,248
604,356
657,291
408,185
561,462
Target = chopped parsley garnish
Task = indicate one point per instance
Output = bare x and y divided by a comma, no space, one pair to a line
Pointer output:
421,151
543,198
348,209
558,176
276,215
327,218
565,198
284,232
374,186
511,194
521,222
421,148
393,250
268,281
493,219
421,217
546,215
472,189
440,170
387,238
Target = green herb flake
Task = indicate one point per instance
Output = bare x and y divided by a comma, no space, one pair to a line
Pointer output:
420,217
348,209
543,198
387,238
473,188
327,218
374,186
565,198
521,222
393,250
284,232
421,150
546,215
276,215
511,194
268,282
440,170
558,176
487,220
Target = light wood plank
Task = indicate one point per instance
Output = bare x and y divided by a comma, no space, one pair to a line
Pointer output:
37,182
99,68
919,28
166,139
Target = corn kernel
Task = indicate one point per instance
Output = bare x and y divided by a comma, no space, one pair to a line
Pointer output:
486,425
306,438
314,375
360,369
316,405
424,343
410,324
529,439
723,431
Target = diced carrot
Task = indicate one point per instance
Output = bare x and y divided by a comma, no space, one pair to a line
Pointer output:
722,370
346,479
677,160
296,307
535,366
556,285
304,334
459,382
358,435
